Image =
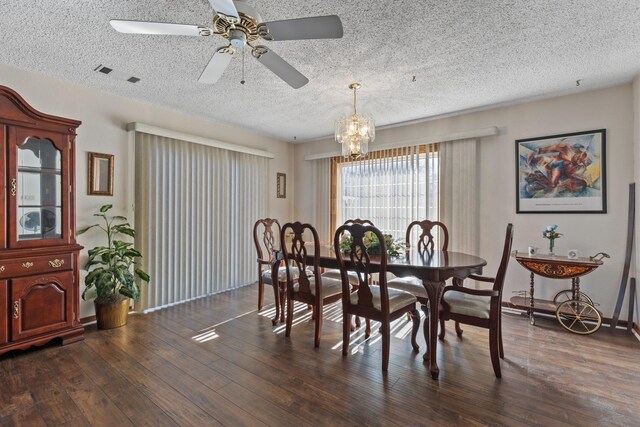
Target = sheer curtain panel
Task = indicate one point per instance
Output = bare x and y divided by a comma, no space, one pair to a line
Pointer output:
459,194
194,212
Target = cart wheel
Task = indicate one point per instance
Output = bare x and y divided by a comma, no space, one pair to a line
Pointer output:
579,317
532,319
567,295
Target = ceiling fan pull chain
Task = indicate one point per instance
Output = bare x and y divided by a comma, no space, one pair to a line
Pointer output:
242,82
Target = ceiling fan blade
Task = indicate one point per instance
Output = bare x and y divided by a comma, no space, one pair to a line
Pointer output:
140,27
224,7
214,69
319,27
280,67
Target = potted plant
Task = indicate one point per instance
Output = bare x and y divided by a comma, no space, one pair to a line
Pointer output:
112,271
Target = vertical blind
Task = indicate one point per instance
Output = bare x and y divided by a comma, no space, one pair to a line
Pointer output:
390,187
194,212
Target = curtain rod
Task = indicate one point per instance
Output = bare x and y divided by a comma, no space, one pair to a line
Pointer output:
475,133
154,130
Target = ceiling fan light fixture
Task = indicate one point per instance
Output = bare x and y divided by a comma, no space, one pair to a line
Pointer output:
237,38
355,131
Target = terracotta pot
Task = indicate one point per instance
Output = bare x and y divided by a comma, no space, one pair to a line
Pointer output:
110,316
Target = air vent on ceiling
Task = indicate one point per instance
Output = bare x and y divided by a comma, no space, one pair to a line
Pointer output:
119,75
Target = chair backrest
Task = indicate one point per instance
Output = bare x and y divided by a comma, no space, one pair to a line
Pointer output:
360,262
504,261
426,239
296,256
265,233
359,221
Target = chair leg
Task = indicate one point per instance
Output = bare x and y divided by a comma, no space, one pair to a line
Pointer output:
443,330
283,294
494,342
346,333
313,313
501,348
459,330
367,328
358,323
318,329
385,346
415,316
409,314
260,294
276,297
289,317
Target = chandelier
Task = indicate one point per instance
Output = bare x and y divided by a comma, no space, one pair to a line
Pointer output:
355,131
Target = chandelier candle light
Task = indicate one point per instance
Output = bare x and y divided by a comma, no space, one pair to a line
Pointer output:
355,131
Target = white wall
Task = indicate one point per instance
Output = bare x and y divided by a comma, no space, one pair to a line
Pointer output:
610,108
104,117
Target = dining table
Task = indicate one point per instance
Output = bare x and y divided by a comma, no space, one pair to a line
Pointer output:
433,268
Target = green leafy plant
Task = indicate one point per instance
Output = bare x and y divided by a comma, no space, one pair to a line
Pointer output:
113,268
371,242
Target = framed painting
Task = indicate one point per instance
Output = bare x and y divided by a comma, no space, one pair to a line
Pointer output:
281,186
562,173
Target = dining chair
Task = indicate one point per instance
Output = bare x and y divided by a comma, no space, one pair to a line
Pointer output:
426,244
311,287
265,233
480,307
353,276
377,303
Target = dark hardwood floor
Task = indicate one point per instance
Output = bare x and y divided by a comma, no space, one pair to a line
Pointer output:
216,361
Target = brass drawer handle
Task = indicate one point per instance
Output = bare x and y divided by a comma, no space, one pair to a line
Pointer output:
16,309
56,263
14,187
1,268
27,264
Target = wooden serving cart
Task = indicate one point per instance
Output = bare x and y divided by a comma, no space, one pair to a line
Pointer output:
575,311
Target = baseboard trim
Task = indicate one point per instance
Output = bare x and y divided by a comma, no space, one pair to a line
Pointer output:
622,324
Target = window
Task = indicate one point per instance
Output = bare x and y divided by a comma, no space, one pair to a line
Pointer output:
391,188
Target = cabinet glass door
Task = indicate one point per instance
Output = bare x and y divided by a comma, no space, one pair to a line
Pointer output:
39,190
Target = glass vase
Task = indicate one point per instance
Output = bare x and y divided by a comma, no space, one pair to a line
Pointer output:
551,242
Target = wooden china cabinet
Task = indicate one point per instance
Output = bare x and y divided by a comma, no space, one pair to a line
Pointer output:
39,292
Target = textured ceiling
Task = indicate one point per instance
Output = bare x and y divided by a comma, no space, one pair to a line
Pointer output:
465,54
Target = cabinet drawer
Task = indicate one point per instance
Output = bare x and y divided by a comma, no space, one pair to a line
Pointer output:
35,265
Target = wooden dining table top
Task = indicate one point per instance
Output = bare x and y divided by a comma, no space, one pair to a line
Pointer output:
434,265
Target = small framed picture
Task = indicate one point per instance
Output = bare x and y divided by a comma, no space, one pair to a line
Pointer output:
100,174
281,189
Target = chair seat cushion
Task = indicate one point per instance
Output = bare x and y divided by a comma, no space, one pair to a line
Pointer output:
410,284
397,298
329,286
468,305
282,273
335,274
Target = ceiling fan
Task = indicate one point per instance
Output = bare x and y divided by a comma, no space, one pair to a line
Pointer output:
242,26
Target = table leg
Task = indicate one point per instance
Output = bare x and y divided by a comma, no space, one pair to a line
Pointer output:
434,290
531,302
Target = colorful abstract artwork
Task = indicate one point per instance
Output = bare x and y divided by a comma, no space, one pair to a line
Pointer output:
562,173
